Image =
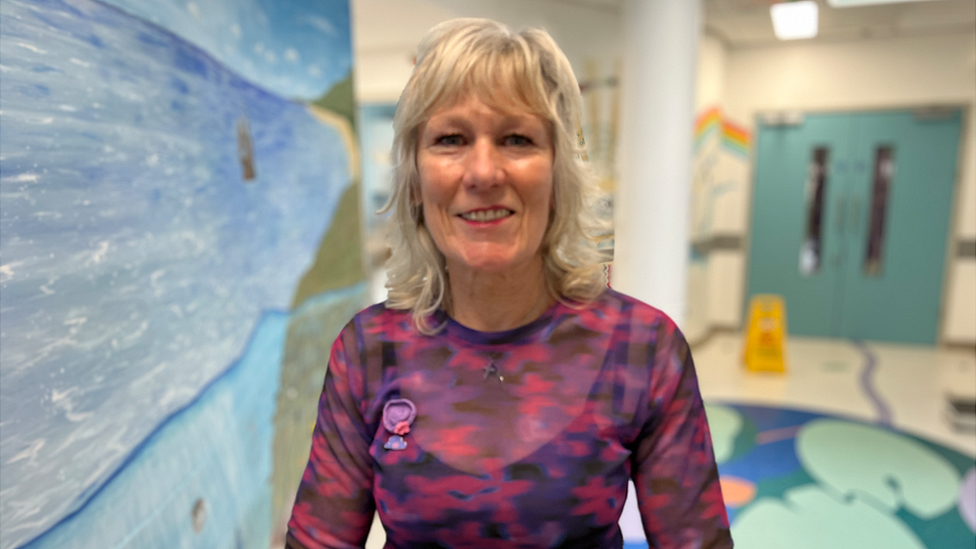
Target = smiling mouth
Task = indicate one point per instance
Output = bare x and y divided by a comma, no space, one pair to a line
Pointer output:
486,215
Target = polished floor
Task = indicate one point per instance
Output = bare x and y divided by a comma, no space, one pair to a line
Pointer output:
901,386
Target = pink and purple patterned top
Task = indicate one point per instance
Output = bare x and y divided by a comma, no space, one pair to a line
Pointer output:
517,439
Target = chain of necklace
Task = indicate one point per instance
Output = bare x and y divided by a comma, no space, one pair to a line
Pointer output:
491,370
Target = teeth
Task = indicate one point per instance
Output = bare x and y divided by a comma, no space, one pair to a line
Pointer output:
486,215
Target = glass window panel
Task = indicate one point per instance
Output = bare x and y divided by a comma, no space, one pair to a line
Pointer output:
884,171
816,186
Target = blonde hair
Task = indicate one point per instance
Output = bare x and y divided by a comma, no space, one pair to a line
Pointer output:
464,56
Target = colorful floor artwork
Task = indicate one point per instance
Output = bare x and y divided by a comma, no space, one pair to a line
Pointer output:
805,480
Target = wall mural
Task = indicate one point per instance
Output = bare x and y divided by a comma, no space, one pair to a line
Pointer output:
721,156
720,173
179,245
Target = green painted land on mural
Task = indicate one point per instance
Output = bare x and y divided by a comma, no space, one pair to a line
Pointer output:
340,100
326,297
311,332
319,313
338,262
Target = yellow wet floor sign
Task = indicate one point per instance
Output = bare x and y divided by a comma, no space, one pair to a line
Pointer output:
765,345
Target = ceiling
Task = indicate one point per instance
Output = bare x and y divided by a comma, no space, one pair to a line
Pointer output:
746,23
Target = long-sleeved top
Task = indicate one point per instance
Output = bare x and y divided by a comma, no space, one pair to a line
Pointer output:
520,439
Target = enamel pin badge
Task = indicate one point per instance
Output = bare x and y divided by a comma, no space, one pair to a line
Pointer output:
398,414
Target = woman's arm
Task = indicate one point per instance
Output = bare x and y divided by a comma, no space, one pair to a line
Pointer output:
334,506
673,464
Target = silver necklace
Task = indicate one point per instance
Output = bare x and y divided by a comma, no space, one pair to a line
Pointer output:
492,370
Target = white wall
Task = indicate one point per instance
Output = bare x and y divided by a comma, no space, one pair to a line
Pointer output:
886,73
386,33
900,72
959,324
712,59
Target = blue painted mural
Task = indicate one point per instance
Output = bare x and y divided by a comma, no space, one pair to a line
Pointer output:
170,174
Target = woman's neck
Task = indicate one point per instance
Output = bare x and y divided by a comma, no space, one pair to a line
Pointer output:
494,302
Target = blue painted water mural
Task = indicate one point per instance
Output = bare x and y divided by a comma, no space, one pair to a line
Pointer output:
216,452
295,48
135,260
208,463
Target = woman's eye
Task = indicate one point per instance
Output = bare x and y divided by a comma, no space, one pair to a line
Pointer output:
517,140
452,140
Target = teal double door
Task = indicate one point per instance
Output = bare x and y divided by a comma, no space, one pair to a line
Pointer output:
850,221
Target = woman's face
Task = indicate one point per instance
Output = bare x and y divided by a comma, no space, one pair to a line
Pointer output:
485,185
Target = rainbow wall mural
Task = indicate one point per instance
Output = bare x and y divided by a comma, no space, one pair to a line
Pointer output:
733,136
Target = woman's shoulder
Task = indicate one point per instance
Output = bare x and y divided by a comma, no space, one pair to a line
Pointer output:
378,312
632,320
630,307
380,321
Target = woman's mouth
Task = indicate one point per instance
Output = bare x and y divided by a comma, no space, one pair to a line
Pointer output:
483,216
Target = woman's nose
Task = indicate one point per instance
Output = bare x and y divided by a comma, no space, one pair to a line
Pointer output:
484,165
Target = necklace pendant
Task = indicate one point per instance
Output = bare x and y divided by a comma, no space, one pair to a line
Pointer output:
492,370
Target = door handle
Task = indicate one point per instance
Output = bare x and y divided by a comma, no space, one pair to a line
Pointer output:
841,213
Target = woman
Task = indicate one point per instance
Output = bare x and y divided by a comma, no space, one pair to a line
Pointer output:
502,396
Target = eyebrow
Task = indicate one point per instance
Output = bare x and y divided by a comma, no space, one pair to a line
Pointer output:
506,121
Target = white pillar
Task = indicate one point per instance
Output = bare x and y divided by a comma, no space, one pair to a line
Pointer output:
652,202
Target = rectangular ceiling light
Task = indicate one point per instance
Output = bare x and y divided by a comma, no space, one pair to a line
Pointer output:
794,20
